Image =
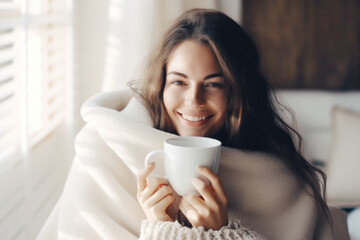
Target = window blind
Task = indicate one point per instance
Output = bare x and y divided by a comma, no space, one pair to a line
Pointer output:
47,79
34,72
9,62
46,66
44,46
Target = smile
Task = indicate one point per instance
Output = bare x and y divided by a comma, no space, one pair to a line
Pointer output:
194,118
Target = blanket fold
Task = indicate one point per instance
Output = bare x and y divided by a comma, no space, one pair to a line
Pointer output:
99,197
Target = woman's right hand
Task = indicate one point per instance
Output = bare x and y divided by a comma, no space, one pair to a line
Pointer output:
155,196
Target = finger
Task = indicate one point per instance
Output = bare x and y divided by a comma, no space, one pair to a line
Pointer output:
161,193
152,185
215,182
164,203
204,190
141,177
196,202
189,211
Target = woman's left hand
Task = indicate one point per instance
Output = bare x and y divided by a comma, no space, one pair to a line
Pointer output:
210,209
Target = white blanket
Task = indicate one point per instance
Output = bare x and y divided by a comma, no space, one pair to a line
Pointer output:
99,197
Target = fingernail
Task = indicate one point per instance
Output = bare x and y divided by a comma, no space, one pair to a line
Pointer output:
151,164
201,168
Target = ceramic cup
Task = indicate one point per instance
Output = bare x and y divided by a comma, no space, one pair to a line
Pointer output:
182,156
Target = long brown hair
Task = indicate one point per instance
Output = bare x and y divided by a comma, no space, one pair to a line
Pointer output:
253,122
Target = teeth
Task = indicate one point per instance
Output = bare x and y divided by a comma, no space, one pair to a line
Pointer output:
193,119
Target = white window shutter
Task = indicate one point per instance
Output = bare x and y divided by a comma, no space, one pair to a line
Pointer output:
33,85
9,99
46,67
47,80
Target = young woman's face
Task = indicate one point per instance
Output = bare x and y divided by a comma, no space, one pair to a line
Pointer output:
194,93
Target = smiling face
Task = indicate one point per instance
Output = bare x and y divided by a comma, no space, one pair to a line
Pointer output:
194,93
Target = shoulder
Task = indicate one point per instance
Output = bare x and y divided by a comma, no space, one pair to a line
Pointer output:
254,164
259,181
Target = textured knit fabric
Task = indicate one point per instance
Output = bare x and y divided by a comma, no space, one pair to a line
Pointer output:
160,230
99,197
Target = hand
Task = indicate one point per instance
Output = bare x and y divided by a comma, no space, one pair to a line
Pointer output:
155,196
210,209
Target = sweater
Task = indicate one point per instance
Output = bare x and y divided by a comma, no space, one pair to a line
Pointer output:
160,230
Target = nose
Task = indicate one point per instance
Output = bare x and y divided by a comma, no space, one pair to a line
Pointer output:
195,96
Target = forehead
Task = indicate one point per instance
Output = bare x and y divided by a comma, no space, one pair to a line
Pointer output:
191,55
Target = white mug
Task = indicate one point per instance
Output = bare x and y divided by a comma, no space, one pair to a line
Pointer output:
182,156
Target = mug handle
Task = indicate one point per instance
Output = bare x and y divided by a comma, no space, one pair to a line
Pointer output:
150,155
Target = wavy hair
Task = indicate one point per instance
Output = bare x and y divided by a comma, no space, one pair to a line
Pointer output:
253,121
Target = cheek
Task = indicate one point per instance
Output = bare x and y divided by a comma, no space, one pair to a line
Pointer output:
221,104
169,100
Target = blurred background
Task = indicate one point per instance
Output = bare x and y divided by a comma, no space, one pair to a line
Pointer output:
54,54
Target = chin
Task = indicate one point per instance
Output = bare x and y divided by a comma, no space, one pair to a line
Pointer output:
189,134
193,134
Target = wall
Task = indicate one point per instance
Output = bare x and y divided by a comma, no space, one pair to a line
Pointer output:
307,44
91,18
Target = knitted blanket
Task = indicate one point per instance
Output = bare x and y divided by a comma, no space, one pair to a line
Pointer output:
99,197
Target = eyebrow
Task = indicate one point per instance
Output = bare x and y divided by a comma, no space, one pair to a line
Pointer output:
185,76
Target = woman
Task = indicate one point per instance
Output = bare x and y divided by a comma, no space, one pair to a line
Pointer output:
205,80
